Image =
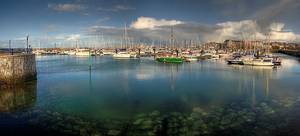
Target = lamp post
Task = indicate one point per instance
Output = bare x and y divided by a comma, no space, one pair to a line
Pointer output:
9,46
27,38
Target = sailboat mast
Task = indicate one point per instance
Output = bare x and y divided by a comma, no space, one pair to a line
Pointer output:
172,37
125,36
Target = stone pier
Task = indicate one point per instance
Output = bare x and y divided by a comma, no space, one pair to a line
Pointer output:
17,68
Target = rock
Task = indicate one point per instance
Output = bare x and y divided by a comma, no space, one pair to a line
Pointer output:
155,113
138,121
83,132
113,132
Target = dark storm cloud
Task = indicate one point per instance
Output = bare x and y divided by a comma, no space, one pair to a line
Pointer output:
274,11
186,31
245,29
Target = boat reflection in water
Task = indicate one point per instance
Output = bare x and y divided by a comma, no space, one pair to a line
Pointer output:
17,97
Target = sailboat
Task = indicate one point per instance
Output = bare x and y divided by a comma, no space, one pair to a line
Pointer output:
82,52
236,60
190,58
264,61
170,58
123,54
257,60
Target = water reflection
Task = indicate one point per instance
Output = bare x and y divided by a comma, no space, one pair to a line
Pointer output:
13,98
134,97
254,80
121,88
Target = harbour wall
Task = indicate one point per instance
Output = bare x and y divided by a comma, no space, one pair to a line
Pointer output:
17,68
290,52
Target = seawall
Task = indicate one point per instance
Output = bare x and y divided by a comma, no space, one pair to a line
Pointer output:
295,53
17,68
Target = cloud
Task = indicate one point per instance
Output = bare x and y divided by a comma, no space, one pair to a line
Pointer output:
237,8
73,37
146,28
67,7
266,15
123,7
277,32
116,8
245,29
64,37
152,23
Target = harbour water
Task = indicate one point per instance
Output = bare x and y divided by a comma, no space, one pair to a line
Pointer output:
119,94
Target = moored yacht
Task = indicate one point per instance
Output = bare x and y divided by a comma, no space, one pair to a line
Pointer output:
236,60
83,52
263,62
122,55
259,62
276,61
170,59
107,52
190,58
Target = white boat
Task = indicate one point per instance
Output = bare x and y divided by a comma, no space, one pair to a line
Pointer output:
215,56
38,52
263,62
190,58
248,60
71,52
108,53
235,61
224,55
206,56
83,52
133,55
258,62
122,55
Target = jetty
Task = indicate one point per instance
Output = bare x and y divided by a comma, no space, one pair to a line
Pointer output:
17,68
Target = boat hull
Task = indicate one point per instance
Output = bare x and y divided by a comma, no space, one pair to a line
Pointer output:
83,54
191,59
121,56
237,62
170,60
258,63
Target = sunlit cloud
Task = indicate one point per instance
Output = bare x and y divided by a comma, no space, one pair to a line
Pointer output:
152,23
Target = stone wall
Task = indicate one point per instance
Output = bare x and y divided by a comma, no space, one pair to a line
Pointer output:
17,68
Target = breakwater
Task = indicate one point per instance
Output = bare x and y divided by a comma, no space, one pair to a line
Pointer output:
290,52
17,68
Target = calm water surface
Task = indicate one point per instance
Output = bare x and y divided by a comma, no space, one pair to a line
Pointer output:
123,89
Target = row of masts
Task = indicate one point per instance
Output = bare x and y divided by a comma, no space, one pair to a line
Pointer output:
100,41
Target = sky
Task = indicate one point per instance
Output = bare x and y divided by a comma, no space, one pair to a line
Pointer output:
92,21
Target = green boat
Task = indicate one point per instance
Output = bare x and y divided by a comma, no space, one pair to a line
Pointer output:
170,59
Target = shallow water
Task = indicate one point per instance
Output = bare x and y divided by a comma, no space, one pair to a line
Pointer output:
123,89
